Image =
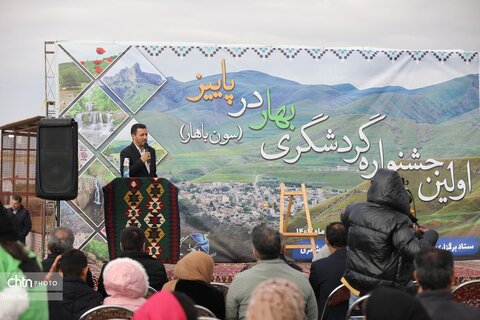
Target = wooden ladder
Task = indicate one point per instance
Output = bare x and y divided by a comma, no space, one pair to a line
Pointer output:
285,218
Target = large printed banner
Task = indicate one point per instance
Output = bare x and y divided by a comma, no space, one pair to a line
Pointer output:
230,123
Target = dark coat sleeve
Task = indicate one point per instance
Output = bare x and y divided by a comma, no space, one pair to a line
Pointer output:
26,223
314,280
136,167
405,240
101,287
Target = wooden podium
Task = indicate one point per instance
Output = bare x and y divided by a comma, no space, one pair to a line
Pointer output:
285,219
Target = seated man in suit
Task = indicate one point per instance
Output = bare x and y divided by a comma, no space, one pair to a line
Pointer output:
142,158
325,274
434,273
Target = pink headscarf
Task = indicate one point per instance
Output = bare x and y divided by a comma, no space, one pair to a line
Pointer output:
161,306
126,283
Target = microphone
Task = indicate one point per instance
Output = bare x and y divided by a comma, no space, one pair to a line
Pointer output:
145,149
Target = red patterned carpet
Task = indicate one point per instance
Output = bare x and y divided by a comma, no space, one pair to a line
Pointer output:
224,272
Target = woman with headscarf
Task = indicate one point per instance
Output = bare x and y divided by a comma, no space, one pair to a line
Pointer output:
276,299
126,283
193,274
19,301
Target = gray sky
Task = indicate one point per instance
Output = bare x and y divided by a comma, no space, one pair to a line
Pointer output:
407,24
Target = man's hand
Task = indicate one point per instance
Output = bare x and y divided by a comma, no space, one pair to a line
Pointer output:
146,156
419,229
53,269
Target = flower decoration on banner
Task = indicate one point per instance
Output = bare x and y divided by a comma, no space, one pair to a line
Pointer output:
98,65
100,51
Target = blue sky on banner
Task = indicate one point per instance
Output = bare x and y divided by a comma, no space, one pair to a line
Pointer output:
409,24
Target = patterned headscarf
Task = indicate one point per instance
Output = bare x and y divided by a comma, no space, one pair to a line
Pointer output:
276,299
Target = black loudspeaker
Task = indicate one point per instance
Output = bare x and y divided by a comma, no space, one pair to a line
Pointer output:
57,159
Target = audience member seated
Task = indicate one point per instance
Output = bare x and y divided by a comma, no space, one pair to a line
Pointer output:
434,272
126,283
193,274
325,274
78,297
132,245
392,304
17,301
59,241
266,249
276,299
285,258
323,252
165,305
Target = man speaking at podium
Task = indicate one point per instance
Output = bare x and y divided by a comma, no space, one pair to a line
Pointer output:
138,159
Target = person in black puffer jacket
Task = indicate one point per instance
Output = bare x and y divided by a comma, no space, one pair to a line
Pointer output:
382,241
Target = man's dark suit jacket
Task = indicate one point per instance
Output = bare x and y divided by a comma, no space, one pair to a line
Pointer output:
325,275
137,166
440,305
22,222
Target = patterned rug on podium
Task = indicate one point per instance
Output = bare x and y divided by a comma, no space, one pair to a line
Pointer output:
150,204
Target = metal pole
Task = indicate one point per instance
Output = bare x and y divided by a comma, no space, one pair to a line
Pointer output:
57,215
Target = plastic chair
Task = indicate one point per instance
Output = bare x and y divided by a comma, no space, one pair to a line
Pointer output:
222,287
356,309
338,295
468,293
204,312
151,291
107,312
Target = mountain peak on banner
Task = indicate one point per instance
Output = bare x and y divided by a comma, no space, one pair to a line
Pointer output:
434,105
134,74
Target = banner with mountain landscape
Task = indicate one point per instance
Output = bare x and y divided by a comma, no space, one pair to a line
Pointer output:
230,123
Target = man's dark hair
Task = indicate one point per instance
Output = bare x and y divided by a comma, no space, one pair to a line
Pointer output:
72,263
17,197
266,242
60,240
336,234
135,127
434,268
132,239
